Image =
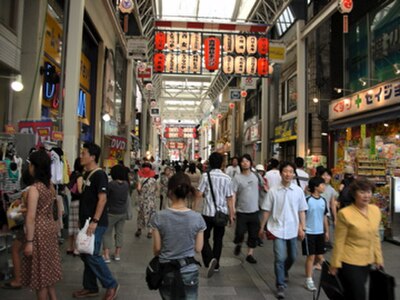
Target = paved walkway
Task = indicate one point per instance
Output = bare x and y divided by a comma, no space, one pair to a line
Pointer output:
237,280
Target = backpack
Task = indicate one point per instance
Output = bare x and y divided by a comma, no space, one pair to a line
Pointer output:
345,199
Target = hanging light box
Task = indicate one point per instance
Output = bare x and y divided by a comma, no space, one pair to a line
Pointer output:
251,65
184,41
263,46
172,40
228,64
195,42
240,64
240,44
159,62
262,66
170,63
211,53
195,63
183,63
159,40
251,44
229,43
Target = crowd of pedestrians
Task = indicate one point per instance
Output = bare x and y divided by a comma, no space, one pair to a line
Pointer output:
185,209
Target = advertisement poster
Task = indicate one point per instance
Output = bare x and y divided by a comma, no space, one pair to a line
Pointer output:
42,130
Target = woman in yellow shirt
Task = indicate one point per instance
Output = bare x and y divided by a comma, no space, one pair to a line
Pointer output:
357,241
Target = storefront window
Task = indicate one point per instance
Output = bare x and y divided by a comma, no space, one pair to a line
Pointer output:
8,13
289,95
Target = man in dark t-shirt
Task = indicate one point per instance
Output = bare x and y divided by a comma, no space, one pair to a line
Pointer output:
93,205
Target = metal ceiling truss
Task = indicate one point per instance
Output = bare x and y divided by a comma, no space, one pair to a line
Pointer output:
145,16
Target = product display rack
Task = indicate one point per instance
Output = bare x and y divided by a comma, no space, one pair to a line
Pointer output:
375,170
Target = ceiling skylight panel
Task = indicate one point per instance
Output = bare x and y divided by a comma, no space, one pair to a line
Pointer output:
216,10
179,9
245,9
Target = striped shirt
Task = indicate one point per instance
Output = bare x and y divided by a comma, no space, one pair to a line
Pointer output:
222,188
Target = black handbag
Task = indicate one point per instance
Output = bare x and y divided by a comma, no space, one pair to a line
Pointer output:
381,285
220,219
154,273
330,284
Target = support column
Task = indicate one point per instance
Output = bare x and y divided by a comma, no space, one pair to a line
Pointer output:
302,128
72,72
129,110
233,132
143,126
264,119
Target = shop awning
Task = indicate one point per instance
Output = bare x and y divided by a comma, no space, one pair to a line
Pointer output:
376,116
286,131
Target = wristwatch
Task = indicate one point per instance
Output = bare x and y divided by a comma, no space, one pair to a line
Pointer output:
94,220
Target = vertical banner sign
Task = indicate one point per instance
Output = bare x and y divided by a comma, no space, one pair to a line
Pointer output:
363,133
348,134
372,150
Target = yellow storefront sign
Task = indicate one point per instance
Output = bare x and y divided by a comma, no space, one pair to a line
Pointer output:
277,52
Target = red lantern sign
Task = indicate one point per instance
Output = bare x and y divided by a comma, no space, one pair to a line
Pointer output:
231,105
243,94
262,66
345,6
263,46
211,53
159,40
159,62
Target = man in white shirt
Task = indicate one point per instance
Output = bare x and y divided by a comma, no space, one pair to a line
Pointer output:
273,175
284,210
302,176
233,169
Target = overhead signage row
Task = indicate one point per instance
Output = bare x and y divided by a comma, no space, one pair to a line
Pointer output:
196,53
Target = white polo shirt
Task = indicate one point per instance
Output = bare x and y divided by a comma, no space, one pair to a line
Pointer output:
284,203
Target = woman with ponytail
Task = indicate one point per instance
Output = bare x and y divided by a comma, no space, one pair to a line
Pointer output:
177,235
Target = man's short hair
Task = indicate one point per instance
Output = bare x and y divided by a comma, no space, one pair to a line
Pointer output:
94,150
285,164
215,160
299,162
315,182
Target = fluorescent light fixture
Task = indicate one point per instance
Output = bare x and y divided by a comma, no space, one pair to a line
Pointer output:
341,90
362,81
386,124
396,68
315,100
324,133
106,117
16,84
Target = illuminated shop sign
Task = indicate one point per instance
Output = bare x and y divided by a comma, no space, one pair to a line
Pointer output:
383,95
81,111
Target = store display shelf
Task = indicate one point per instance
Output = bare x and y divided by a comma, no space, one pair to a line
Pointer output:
372,168
372,161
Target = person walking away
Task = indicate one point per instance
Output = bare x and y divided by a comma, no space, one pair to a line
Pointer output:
234,168
317,229
345,197
178,233
330,195
273,175
245,186
195,176
118,191
222,189
147,189
357,241
41,263
284,213
75,187
93,205
164,178
301,176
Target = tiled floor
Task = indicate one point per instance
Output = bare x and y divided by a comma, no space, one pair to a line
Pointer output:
237,280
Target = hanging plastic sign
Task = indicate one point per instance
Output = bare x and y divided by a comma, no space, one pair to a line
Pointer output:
228,64
262,66
57,136
118,143
345,6
251,65
240,44
211,53
159,62
183,63
183,41
81,111
251,44
195,63
195,42
170,63
240,64
159,40
126,6
172,40
263,46
229,43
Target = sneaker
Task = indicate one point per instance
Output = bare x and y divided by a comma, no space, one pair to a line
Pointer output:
84,294
309,285
251,259
281,292
106,260
211,268
111,294
117,258
237,249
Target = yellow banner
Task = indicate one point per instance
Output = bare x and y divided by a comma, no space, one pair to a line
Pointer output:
53,39
348,134
85,72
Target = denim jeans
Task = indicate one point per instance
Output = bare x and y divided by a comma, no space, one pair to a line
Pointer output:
190,281
285,252
95,267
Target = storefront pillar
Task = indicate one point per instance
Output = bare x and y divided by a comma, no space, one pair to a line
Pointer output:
301,93
27,103
72,72
264,119
129,109
233,131
143,126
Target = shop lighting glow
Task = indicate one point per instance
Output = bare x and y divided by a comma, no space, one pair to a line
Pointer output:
324,134
315,100
106,117
386,124
396,68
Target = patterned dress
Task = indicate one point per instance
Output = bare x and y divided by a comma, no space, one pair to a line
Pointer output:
147,202
43,268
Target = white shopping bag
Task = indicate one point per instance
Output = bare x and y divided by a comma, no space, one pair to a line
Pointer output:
85,243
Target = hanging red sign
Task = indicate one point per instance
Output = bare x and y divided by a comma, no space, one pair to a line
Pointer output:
262,66
159,40
263,46
159,62
212,53
345,6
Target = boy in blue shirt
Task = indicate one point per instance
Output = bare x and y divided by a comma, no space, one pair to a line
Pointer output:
317,228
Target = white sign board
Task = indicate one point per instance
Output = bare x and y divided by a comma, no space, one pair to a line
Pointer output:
223,107
137,47
248,83
234,95
396,193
